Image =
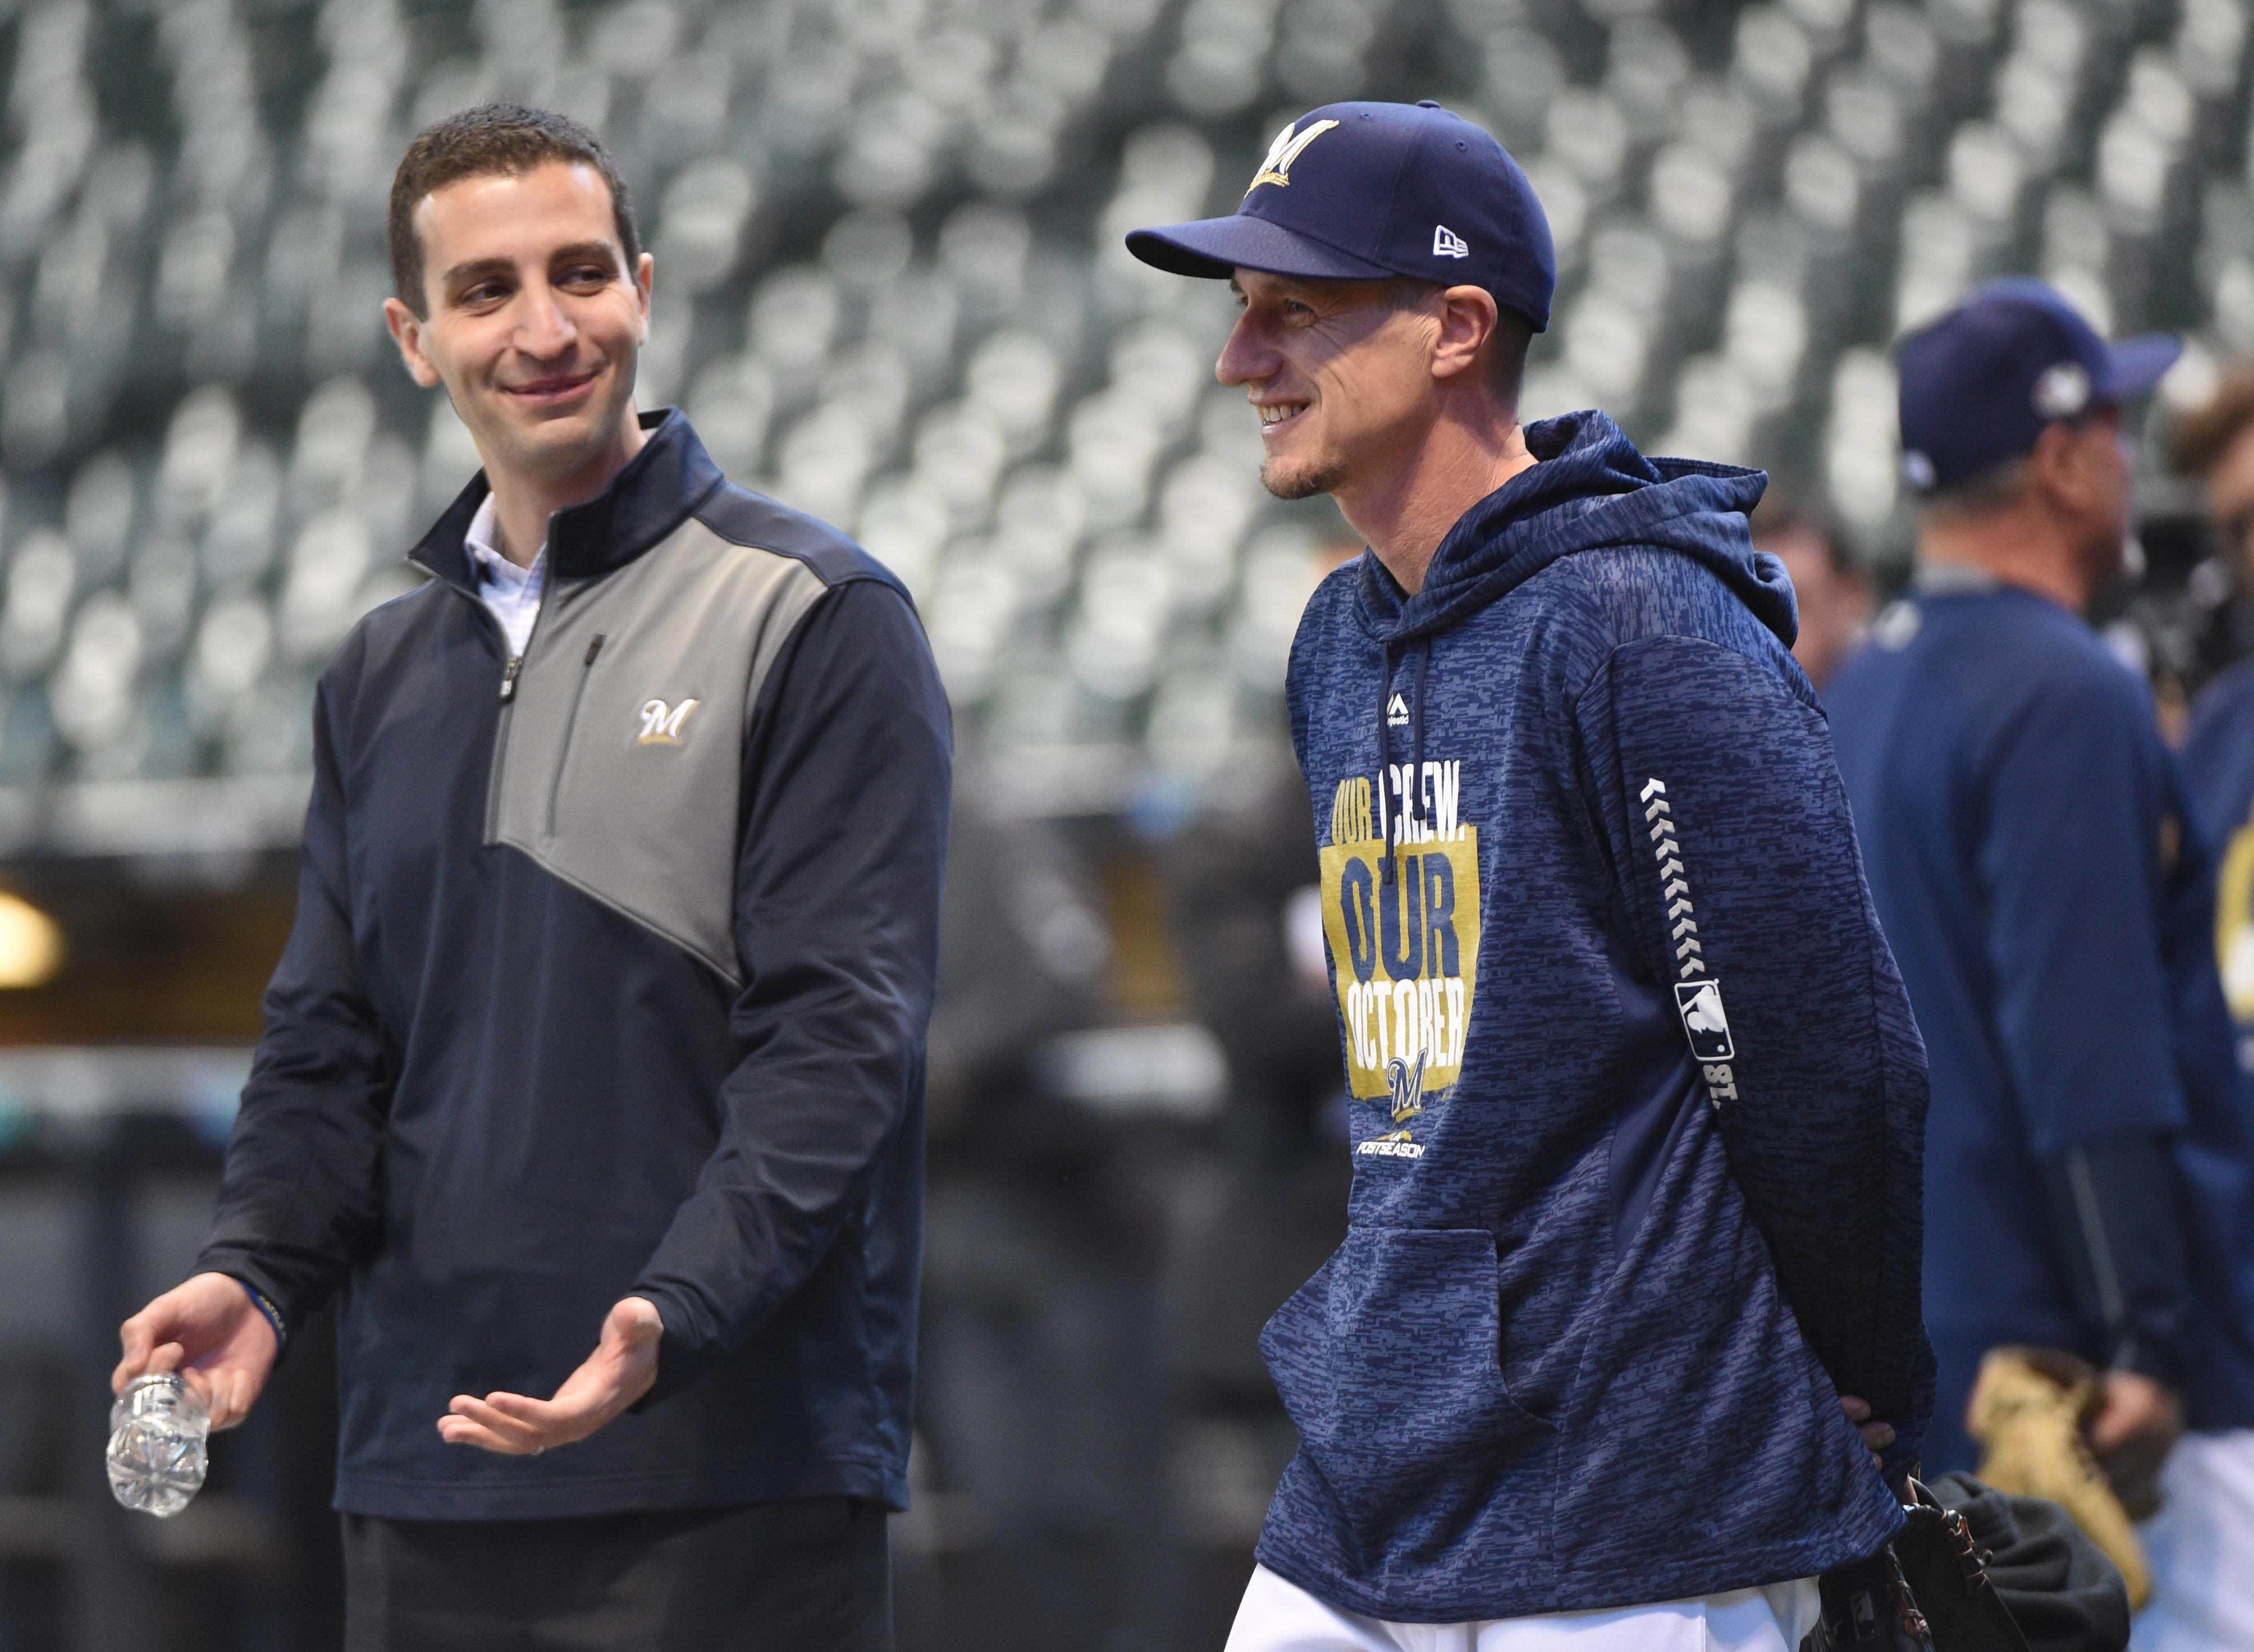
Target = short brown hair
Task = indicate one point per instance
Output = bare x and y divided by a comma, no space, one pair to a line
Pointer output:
1507,345
2206,436
492,140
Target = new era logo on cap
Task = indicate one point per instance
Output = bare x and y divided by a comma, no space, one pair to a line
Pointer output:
2063,391
1448,244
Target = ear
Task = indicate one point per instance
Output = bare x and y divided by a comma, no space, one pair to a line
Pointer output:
407,333
644,275
1467,321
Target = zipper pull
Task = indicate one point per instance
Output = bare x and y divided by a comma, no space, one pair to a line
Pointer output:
593,648
508,677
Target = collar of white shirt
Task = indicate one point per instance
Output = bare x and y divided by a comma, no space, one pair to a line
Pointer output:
510,593
481,540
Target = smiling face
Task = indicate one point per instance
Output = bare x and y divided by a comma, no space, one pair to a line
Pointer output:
1340,373
533,320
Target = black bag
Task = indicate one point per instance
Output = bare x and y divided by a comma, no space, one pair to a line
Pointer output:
1975,1571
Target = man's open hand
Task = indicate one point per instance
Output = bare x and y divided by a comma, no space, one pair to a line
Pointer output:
617,1374
209,1330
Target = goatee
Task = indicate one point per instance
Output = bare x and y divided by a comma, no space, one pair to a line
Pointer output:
1303,483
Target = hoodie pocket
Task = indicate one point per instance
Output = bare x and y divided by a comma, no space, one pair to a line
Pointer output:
1390,1362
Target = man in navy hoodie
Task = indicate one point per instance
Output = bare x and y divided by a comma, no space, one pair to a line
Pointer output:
1637,1100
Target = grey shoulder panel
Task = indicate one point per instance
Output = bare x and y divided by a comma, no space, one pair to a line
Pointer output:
742,517
622,770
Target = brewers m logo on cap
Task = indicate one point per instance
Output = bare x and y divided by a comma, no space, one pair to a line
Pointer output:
1277,169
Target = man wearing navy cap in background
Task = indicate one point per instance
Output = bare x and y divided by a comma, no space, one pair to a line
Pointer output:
1636,1097
2050,902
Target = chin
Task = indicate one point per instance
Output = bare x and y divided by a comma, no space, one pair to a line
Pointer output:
567,441
1299,477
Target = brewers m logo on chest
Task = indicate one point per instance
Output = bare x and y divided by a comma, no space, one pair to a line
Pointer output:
1404,926
661,724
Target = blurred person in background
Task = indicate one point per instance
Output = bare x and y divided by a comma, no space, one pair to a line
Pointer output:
1831,592
1247,896
602,1022
2216,445
2049,903
1611,1247
1041,1394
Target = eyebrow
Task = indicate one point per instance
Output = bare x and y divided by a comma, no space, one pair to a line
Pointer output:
599,249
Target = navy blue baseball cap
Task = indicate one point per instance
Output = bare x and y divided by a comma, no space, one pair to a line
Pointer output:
1367,192
1978,385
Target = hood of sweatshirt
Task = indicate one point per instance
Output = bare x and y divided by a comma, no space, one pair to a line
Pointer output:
1592,488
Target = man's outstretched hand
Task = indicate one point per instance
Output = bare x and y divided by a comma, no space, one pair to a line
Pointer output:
617,1374
209,1330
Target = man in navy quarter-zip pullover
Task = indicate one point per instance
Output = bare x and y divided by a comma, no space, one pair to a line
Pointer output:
594,1071
1634,1228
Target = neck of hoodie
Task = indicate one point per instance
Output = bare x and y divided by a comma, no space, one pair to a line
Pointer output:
1407,509
1591,490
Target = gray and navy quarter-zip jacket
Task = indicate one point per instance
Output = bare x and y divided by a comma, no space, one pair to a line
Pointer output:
1637,1100
610,975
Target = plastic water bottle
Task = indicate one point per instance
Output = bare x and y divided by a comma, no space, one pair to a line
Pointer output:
157,1433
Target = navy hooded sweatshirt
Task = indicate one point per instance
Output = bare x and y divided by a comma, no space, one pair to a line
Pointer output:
1637,1100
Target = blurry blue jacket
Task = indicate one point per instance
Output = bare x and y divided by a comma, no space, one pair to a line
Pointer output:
2218,765
1636,1097
2050,904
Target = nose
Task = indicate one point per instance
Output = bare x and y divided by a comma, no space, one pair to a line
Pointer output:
545,330
1246,358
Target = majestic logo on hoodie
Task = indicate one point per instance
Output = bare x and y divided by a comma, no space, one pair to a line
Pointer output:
1401,911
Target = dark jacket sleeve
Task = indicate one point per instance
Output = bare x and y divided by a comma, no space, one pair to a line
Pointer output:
2114,1209
847,768
1737,865
301,1199
2069,863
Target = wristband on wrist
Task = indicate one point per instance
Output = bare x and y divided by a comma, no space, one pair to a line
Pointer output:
267,1311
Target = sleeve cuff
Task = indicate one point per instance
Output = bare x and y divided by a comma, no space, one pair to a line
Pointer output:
2148,1356
680,1363
264,1294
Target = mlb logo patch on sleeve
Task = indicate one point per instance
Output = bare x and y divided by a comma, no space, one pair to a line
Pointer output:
1703,1021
